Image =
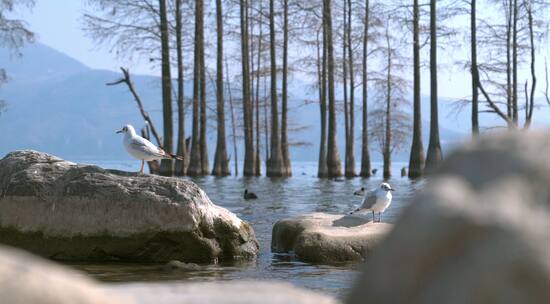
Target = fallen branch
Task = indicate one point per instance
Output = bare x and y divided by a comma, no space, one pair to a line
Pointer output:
126,79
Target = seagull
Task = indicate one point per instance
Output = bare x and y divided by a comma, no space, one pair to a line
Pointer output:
141,148
249,195
377,200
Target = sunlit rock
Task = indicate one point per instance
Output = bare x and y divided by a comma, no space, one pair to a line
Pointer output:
477,233
235,292
27,279
66,211
328,238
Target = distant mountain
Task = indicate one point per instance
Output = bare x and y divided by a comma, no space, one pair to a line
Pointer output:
58,105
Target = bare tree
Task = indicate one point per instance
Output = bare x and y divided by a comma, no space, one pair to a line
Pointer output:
365,155
417,161
287,167
166,165
333,156
221,162
181,165
474,68
434,147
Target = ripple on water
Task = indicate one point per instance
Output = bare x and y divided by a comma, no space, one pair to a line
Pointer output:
278,199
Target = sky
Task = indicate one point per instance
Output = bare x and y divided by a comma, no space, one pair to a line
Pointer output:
58,25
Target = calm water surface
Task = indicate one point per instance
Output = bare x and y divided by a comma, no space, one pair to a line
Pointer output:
278,199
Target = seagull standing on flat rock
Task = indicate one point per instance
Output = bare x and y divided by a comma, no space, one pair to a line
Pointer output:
376,201
141,148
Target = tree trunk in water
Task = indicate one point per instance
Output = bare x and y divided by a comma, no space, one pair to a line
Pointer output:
221,162
195,164
531,101
287,167
181,165
257,93
365,156
474,70
416,162
249,157
275,165
434,147
345,88
322,170
167,165
202,89
387,141
350,155
333,156
233,124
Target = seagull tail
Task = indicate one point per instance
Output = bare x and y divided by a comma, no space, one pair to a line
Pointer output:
174,156
355,210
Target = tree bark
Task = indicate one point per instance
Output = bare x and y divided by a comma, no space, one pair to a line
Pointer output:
202,89
257,93
322,170
434,147
350,155
233,124
515,64
333,156
416,161
345,87
181,165
365,156
167,165
387,141
531,101
221,162
287,167
249,157
474,69
195,164
275,165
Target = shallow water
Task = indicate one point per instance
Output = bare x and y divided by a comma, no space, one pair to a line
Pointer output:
278,198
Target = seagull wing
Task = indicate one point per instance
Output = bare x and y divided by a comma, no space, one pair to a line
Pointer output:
369,200
143,145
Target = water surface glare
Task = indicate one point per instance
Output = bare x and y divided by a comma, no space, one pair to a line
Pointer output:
278,199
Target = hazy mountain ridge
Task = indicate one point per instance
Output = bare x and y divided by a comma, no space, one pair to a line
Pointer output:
59,105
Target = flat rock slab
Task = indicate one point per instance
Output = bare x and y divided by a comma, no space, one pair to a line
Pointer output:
65,211
234,292
328,238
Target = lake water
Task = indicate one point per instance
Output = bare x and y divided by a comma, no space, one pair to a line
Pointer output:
278,199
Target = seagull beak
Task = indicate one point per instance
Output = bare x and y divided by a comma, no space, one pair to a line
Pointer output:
119,131
391,189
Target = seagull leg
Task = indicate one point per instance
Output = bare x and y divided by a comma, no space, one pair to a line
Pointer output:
379,217
142,164
373,219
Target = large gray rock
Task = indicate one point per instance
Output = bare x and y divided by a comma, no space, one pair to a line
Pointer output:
66,211
327,238
26,279
478,232
235,292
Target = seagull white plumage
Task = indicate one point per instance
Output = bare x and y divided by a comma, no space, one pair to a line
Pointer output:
141,148
377,200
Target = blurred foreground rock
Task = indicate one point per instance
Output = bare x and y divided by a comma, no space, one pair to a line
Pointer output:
478,233
327,238
27,279
66,211
233,292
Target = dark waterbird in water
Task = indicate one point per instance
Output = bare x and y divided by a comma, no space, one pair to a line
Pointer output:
360,192
249,195
373,171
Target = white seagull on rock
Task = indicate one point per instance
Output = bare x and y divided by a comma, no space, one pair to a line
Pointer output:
141,148
376,200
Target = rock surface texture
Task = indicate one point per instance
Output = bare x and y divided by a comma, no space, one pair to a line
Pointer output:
66,211
479,232
327,238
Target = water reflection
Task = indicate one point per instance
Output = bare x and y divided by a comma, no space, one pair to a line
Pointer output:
278,198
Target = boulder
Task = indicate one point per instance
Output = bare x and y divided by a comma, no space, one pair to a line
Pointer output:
234,292
65,211
327,238
477,233
27,279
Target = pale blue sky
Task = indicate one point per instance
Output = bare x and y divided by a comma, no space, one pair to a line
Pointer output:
57,23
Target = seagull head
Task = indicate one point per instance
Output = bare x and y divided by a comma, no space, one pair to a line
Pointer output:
127,129
386,187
